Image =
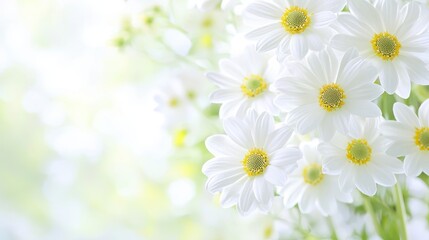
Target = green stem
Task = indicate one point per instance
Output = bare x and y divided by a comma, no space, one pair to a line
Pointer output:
332,227
400,211
370,210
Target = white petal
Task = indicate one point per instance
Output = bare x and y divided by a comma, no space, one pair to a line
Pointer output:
346,179
412,166
225,95
238,132
246,198
362,9
306,117
349,23
222,81
229,195
298,46
389,78
383,177
264,30
221,164
401,148
278,138
286,158
263,190
275,175
264,126
323,19
231,69
221,145
365,92
265,10
364,108
270,41
405,115
424,113
216,182
365,183
345,42
396,130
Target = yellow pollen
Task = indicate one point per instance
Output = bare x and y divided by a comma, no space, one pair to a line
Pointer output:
386,45
359,152
421,138
331,97
255,162
295,20
253,85
312,174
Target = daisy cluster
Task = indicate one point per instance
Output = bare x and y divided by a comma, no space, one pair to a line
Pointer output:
321,104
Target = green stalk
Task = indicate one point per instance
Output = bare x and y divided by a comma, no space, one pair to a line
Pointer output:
370,210
400,211
332,227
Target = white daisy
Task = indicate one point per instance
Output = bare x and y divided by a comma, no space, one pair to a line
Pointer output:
360,159
211,4
326,95
410,137
392,36
293,26
244,83
249,161
310,187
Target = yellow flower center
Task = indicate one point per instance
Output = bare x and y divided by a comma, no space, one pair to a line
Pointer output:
174,102
312,174
331,97
295,20
255,162
421,138
386,45
359,152
253,85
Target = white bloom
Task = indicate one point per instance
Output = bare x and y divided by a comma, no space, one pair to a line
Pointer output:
326,95
360,158
249,161
310,187
210,4
175,99
392,36
293,26
244,83
410,137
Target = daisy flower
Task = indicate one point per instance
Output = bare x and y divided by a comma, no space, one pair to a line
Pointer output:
249,161
326,95
360,159
392,36
310,187
211,4
410,137
293,26
244,83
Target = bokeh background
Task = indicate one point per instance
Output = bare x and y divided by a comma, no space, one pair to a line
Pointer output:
83,152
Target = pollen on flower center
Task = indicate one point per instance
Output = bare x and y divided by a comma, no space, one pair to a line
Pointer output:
313,174
359,152
421,138
386,45
255,162
331,97
253,85
295,19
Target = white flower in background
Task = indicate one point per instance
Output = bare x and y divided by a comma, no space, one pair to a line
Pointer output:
244,83
293,26
211,4
326,95
360,158
176,99
410,137
392,36
249,161
310,187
